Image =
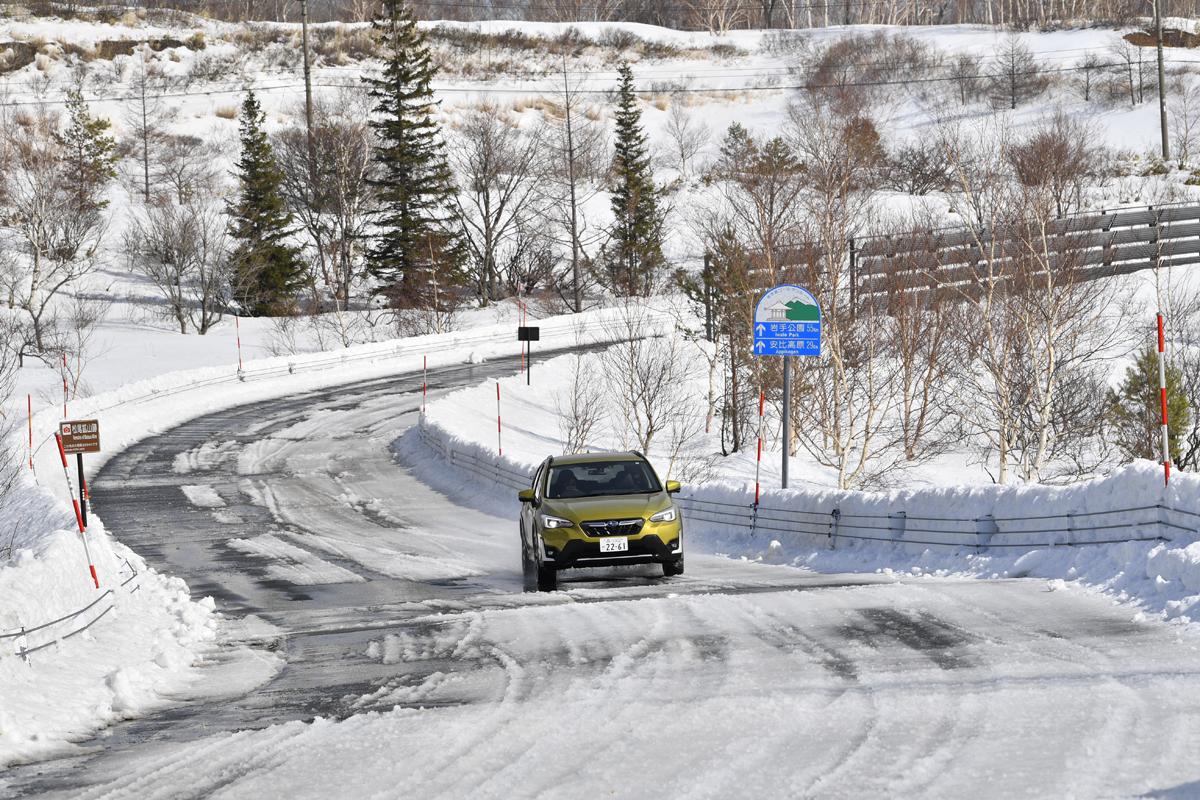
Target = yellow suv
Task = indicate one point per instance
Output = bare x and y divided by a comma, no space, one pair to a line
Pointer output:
598,510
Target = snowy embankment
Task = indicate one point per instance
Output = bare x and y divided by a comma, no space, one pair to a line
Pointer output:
1124,534
148,634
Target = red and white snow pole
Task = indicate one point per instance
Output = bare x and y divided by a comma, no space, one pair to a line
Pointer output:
424,381
237,327
1162,394
758,463
29,416
78,512
499,443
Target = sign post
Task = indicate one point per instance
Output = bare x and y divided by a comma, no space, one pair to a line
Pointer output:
529,334
79,437
787,322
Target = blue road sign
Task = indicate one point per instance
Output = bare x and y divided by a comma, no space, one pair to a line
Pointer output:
787,322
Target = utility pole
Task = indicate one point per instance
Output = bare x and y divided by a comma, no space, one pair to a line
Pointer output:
308,105
1162,89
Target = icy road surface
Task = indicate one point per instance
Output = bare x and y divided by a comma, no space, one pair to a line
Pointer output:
400,621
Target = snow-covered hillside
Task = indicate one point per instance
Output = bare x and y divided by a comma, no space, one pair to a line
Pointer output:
141,376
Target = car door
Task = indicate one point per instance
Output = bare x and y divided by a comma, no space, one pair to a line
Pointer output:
528,510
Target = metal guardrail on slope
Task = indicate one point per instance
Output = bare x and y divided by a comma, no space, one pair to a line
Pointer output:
975,533
984,532
18,634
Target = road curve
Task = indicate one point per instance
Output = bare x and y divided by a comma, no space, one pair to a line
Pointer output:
395,611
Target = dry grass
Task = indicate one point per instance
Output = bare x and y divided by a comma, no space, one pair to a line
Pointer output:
535,103
226,112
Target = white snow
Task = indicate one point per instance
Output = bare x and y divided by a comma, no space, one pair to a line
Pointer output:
293,564
203,496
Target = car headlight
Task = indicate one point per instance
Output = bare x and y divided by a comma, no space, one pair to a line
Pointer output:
666,515
555,522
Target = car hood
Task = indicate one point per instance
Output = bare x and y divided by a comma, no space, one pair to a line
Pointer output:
582,509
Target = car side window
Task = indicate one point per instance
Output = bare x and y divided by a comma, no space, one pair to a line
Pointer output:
537,480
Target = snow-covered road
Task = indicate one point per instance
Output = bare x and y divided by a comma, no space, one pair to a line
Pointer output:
393,597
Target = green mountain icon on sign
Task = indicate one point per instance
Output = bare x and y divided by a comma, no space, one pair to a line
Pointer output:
801,312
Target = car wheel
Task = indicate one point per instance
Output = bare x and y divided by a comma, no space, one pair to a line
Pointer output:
528,568
547,578
672,568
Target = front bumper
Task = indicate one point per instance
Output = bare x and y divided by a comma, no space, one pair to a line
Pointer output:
647,549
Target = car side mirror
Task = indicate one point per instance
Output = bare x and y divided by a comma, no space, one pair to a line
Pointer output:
526,496
673,487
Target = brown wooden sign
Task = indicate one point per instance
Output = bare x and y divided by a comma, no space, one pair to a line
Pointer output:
80,436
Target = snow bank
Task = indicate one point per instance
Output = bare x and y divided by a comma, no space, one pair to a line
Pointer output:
145,646
1125,533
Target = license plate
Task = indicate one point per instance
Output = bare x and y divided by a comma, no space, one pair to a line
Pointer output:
615,544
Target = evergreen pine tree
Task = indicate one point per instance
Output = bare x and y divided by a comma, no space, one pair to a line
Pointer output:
634,256
266,270
90,155
1135,409
416,254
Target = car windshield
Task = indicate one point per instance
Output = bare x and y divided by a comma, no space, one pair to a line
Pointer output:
601,478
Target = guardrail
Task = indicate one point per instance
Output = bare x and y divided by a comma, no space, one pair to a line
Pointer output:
1152,523
19,636
1148,523
494,469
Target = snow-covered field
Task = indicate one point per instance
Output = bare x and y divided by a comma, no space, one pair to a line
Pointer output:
157,645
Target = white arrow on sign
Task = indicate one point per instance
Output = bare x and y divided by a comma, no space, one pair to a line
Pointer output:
760,346
761,330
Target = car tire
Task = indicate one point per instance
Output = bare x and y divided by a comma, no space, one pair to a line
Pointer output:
528,568
672,568
547,578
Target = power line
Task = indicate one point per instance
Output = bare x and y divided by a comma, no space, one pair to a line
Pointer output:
716,90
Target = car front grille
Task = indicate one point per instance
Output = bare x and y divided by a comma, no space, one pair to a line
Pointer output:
613,527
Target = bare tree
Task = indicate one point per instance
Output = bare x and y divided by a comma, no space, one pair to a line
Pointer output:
496,165
717,16
580,406
1039,328
1185,122
183,249
184,168
688,137
53,188
1061,158
641,376
1088,69
844,409
921,334
917,168
966,71
1132,67
328,192
74,339
576,150
145,119
1015,77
